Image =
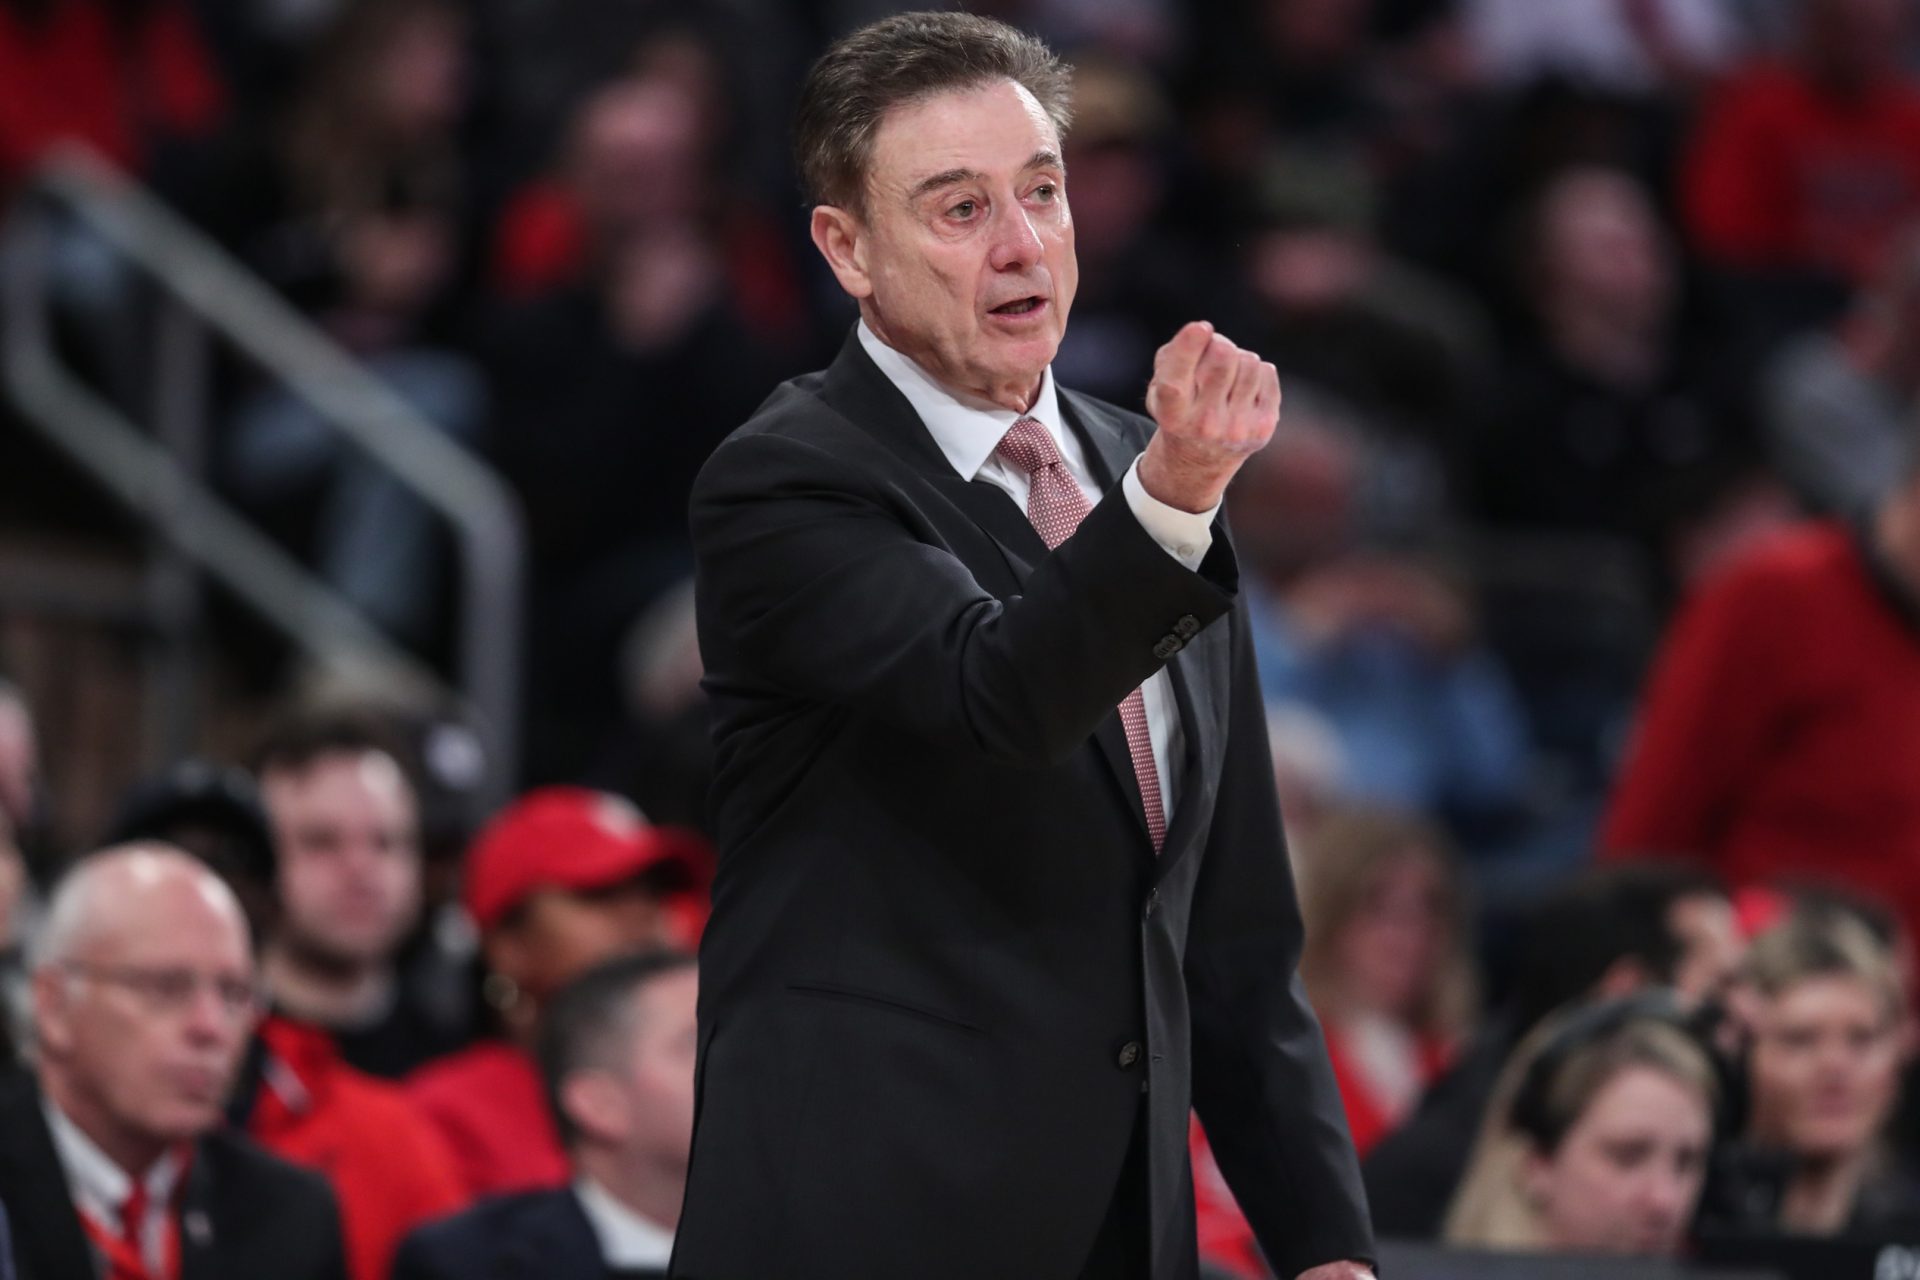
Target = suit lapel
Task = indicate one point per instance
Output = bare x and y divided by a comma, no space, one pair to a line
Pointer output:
199,1256
48,1241
1010,547
1201,675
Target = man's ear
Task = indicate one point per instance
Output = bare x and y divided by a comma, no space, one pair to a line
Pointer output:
52,1019
841,238
597,1105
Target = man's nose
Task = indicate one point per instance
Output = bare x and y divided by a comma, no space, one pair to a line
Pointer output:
1016,245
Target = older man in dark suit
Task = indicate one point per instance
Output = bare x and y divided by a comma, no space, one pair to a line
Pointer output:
113,1159
1003,890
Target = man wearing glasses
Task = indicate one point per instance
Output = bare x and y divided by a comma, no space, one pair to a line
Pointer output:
113,1162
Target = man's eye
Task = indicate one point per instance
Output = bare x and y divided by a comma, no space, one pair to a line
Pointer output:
1045,192
965,209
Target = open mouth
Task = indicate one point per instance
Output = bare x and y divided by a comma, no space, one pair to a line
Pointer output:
1021,306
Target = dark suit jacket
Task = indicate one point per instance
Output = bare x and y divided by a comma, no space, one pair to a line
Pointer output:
540,1235
945,971
243,1213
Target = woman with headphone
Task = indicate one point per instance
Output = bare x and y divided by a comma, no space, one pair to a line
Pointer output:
1598,1139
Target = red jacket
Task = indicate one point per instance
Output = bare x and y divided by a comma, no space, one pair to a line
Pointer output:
1780,732
389,1168
489,1104
1782,175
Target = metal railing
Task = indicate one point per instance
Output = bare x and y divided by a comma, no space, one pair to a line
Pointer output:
158,473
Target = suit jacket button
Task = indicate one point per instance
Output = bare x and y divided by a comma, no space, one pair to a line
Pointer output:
1167,647
1128,1055
1187,628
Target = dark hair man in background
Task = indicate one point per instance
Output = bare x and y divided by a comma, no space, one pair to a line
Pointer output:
616,1052
346,828
1003,891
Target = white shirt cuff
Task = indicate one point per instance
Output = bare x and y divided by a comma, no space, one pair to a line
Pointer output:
1186,536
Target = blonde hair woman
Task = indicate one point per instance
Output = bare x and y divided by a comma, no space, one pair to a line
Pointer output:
1598,1138
1827,1013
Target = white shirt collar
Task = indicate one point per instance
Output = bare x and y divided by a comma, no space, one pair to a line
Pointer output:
968,433
626,1239
98,1186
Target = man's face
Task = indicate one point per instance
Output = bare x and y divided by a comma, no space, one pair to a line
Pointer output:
348,853
964,258
146,1022
562,933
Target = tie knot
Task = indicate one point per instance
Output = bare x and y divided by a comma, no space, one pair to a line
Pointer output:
1027,445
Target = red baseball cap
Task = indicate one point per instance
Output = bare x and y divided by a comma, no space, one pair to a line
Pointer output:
573,838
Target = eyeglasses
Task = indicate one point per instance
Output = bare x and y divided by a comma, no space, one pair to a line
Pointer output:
174,991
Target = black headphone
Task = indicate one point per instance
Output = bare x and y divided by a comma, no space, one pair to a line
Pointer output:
1531,1112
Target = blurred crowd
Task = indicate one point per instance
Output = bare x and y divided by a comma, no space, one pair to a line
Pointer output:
1584,570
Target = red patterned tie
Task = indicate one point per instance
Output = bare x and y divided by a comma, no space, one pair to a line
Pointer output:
1056,505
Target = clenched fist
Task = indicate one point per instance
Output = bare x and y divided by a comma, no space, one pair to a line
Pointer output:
1215,404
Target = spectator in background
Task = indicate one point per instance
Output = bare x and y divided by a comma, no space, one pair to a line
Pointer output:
1377,641
124,79
116,1161
19,796
19,759
1136,281
347,836
1388,969
1606,935
1807,166
1779,731
1828,1024
616,1054
1387,962
294,1094
1327,302
1607,419
359,215
641,362
1598,1140
1841,406
560,881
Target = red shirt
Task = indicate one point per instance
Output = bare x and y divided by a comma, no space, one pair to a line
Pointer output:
388,1166
1782,175
79,76
490,1106
1780,733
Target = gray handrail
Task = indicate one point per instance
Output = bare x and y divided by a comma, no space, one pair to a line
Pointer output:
199,277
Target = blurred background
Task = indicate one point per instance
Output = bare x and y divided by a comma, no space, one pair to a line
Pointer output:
357,356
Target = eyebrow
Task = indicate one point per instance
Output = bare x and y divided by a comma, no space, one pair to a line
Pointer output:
1041,159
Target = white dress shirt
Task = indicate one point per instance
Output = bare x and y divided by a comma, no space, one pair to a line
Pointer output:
969,434
627,1240
98,1187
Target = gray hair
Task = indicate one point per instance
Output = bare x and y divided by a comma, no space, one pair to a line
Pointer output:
903,59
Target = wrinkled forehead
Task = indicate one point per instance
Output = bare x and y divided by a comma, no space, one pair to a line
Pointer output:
995,128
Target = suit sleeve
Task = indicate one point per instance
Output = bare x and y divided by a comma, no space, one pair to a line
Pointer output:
1262,1083
822,583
